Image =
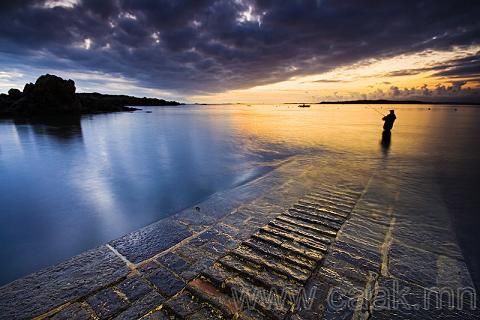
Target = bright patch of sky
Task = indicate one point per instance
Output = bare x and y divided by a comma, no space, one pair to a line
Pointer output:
87,43
249,15
60,3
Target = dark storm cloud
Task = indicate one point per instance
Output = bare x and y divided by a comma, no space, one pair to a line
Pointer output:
457,68
462,68
210,46
330,81
407,72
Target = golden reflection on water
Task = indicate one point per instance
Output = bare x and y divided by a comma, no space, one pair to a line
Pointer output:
419,129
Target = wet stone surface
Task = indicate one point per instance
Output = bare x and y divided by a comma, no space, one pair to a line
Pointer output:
43,291
142,306
147,242
75,311
174,262
134,288
166,281
106,303
182,305
404,300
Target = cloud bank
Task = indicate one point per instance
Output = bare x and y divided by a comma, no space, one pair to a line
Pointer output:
201,47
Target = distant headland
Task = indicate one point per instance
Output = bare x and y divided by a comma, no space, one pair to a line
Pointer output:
51,95
384,101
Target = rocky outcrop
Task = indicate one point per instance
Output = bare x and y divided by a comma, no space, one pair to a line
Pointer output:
49,95
52,96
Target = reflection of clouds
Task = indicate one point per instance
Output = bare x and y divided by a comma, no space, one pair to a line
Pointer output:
92,177
11,145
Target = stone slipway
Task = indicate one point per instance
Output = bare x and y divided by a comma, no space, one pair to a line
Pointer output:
342,231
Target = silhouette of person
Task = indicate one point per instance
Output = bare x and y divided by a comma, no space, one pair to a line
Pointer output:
389,120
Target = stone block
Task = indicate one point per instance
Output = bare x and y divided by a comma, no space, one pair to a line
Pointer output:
107,303
75,311
145,243
173,262
49,288
142,306
182,305
134,288
166,282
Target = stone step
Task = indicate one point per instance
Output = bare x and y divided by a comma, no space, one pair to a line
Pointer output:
341,210
335,195
303,241
337,192
281,253
317,213
346,204
309,226
307,252
267,261
255,279
319,200
224,285
302,232
257,274
296,214
249,296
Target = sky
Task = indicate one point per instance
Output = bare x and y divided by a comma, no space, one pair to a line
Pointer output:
261,51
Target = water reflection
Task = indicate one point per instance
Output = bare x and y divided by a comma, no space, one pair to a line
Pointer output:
386,141
64,129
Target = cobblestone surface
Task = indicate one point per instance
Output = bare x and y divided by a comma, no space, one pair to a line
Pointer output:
302,242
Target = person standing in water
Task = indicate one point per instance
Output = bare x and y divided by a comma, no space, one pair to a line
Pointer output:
387,134
389,120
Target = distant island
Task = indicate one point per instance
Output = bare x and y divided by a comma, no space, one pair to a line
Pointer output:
53,96
383,101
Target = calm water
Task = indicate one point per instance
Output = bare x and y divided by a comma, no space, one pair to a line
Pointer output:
70,186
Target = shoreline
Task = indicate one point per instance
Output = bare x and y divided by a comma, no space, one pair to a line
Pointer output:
52,96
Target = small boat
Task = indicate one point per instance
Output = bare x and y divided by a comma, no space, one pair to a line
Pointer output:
303,105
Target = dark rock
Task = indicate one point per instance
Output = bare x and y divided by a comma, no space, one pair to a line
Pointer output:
49,95
15,94
28,88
